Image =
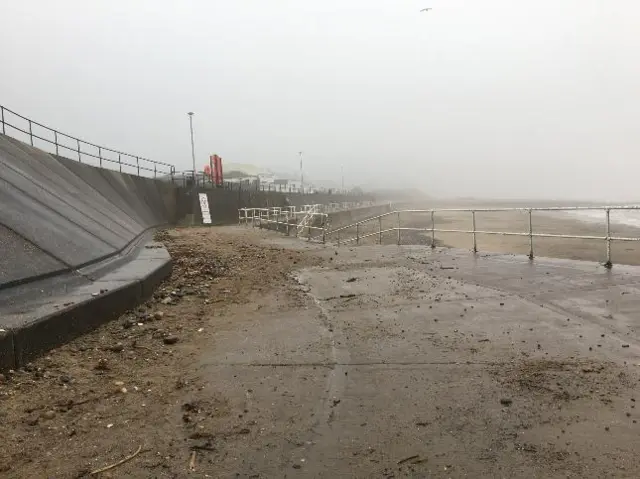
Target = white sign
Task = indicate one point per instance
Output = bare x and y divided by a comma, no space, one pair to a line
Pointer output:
204,208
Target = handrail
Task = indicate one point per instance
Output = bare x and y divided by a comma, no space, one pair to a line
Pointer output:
147,164
474,231
288,218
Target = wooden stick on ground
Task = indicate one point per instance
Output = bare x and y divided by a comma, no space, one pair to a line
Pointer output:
116,464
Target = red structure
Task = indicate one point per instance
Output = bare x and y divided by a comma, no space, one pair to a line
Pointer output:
214,170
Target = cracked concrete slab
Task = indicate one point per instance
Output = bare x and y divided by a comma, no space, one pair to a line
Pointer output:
408,362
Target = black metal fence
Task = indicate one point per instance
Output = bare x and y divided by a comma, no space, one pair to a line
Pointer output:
24,129
202,180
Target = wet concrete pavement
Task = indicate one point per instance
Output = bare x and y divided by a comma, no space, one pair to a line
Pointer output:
408,362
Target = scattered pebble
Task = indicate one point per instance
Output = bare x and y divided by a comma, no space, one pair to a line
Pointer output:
49,415
117,348
32,420
170,339
102,365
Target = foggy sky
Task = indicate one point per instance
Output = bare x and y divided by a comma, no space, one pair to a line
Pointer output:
493,98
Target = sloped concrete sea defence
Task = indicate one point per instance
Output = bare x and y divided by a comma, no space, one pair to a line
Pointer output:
65,226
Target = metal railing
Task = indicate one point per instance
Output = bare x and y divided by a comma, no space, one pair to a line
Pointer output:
308,218
287,220
12,122
474,232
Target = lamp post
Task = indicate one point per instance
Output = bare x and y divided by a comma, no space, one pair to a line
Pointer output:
301,174
193,149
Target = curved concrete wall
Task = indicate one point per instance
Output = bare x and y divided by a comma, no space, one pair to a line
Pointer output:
58,215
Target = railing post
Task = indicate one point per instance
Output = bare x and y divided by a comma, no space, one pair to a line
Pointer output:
473,220
138,165
100,156
79,155
324,229
4,131
608,264
30,133
357,233
398,228
55,140
380,230
433,229
155,172
530,235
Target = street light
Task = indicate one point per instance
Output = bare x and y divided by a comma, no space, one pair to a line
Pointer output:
193,150
301,174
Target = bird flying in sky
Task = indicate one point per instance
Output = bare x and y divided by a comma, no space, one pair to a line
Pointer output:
426,9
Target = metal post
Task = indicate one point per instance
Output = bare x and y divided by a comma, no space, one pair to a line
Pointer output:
433,229
79,156
398,228
475,244
120,162
324,229
4,132
193,149
138,165
30,133
380,230
301,175
608,264
55,140
155,172
357,233
100,156
530,236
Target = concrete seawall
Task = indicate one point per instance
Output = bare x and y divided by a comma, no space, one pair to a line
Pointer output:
224,204
75,244
58,215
